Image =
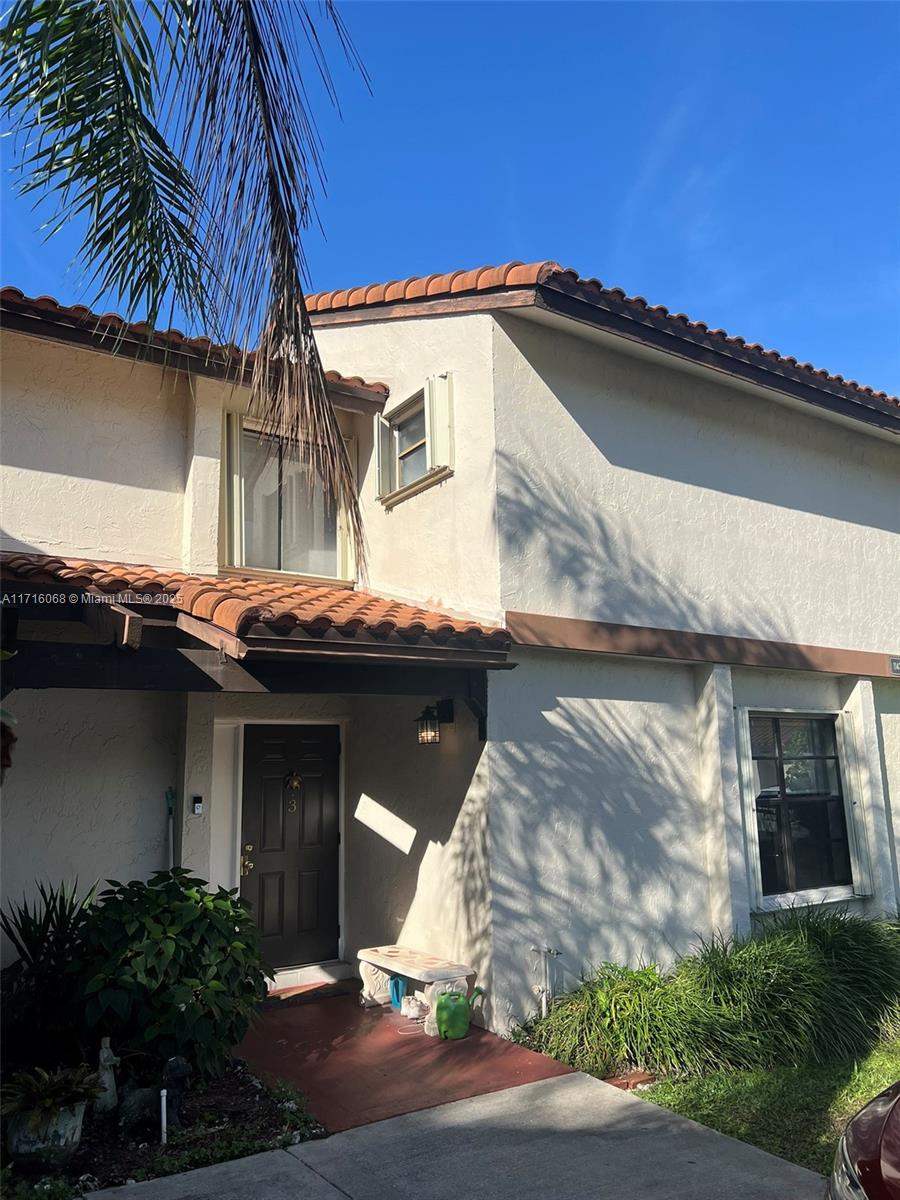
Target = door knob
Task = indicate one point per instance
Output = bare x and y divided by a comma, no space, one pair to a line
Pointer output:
246,865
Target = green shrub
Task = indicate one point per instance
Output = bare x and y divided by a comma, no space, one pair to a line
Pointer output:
770,988
170,968
861,965
813,985
40,989
43,1096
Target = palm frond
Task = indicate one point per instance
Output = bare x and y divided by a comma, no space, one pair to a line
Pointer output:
255,151
78,84
182,130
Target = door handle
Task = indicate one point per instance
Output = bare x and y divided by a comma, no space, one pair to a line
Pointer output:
246,864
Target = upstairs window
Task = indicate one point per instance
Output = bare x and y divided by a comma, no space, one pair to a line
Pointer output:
805,830
280,516
414,443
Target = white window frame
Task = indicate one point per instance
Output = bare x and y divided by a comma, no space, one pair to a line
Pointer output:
435,398
235,425
854,812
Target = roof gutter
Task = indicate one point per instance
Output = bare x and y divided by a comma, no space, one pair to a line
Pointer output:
33,322
619,319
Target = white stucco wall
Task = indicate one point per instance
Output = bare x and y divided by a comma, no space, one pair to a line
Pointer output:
639,493
438,547
887,710
93,453
414,818
425,886
86,793
597,827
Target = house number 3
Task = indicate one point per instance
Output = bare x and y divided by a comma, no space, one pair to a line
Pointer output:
293,784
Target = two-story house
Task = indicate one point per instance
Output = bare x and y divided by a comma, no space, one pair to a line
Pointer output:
624,669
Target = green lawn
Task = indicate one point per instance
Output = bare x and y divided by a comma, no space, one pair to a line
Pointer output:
796,1113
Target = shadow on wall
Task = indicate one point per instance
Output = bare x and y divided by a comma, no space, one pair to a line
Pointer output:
887,712
600,830
416,853
562,553
658,421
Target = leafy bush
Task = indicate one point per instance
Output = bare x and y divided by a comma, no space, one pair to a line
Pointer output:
814,985
170,968
44,1095
40,989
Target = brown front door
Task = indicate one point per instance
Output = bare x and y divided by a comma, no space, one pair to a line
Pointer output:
289,840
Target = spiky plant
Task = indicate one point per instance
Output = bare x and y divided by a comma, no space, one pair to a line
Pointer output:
40,989
44,1094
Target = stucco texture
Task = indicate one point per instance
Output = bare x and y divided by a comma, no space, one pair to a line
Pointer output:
597,830
631,491
85,797
94,454
433,895
438,547
887,708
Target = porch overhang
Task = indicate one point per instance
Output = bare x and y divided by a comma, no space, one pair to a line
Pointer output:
76,624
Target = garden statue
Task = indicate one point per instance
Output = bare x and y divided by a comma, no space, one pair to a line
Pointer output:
140,1106
108,1098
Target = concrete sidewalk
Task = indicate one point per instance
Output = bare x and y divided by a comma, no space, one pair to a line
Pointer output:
572,1138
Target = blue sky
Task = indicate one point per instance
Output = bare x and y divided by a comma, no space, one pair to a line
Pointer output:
739,162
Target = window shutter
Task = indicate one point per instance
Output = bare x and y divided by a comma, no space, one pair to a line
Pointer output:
384,455
854,804
235,528
439,420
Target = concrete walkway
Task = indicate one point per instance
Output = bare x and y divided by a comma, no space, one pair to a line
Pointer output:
570,1138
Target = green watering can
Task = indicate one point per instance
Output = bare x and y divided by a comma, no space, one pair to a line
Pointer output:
452,1013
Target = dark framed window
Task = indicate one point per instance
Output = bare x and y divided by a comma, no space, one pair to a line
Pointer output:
800,817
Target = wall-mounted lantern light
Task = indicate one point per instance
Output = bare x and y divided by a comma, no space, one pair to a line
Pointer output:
428,725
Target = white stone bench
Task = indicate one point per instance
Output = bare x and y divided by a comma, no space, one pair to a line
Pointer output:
378,963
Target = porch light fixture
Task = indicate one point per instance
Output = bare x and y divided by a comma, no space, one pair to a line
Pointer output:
428,725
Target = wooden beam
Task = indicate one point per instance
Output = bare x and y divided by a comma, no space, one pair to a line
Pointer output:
218,638
71,665
113,622
477,701
227,674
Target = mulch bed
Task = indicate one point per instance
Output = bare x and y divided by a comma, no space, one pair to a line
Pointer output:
221,1119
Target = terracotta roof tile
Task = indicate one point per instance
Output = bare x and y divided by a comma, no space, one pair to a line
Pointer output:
46,308
234,603
552,274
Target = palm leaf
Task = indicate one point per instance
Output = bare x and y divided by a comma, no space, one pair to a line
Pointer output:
243,72
78,83
182,131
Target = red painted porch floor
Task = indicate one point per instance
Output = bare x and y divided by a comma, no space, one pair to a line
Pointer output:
360,1065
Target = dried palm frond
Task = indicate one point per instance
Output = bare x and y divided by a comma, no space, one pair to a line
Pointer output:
182,132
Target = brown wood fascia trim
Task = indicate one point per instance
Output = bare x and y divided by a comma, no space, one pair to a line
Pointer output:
661,333
654,331
356,399
641,641
135,349
438,307
219,639
113,622
303,646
